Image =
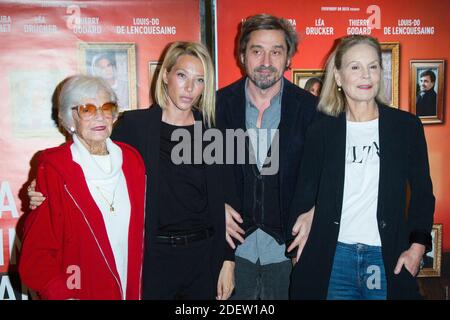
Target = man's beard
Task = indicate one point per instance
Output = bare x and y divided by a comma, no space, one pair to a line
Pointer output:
264,81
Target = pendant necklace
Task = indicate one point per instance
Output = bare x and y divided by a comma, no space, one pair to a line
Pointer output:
110,204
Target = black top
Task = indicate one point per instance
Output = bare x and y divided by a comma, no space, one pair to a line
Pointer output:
184,202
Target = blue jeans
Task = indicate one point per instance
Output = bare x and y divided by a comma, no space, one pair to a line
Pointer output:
358,273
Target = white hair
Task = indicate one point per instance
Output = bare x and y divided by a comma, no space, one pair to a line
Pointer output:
77,89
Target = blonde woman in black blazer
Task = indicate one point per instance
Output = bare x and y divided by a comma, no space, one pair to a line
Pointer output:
342,222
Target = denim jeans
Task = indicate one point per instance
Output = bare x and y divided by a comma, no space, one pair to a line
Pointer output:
266,282
357,274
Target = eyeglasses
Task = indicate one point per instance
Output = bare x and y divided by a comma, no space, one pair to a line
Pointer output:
89,110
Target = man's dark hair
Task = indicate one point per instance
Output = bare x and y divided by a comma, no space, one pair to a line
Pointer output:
429,73
268,22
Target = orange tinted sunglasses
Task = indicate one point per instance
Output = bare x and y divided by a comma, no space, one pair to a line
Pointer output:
89,110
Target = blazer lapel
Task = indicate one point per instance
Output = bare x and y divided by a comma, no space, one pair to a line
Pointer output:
387,158
338,151
152,136
285,132
237,104
287,118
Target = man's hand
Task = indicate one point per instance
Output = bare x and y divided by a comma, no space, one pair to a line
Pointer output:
225,283
232,228
36,198
301,230
411,259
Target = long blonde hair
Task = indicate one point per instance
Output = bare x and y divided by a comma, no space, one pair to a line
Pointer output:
332,101
206,104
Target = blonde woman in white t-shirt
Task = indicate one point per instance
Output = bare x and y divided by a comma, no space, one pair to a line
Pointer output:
353,238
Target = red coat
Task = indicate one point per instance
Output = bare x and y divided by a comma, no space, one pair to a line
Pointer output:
66,252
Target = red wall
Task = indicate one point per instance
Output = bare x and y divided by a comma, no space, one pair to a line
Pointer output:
314,49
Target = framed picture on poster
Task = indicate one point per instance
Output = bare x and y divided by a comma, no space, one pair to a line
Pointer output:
153,71
114,62
390,55
431,261
309,79
427,90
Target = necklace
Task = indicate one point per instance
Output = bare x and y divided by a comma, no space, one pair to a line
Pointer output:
110,204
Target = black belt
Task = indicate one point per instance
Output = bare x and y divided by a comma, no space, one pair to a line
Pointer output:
180,239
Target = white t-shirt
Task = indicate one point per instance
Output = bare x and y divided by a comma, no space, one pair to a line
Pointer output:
362,173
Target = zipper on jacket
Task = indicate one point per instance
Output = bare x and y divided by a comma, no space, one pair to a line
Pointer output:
143,238
98,245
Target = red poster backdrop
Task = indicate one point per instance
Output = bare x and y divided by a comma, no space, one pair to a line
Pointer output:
43,42
421,29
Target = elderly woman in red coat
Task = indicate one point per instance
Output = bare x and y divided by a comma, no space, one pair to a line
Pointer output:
86,240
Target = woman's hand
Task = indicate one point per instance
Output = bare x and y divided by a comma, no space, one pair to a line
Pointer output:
301,230
232,218
36,198
225,284
411,259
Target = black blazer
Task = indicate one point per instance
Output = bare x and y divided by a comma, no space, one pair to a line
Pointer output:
298,110
426,105
141,129
403,162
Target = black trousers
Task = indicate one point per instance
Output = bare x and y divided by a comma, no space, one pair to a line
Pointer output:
179,273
